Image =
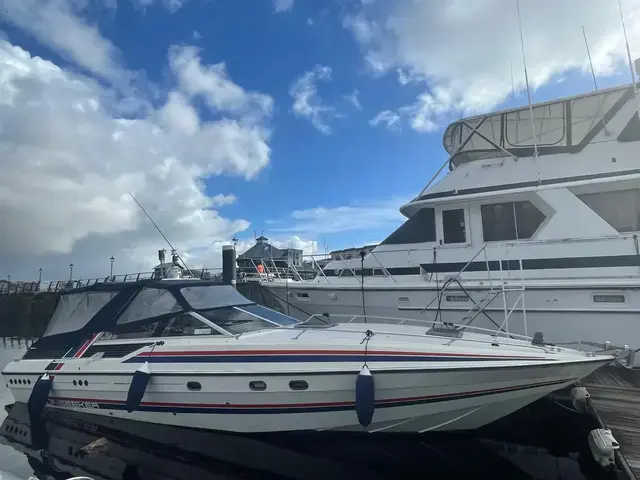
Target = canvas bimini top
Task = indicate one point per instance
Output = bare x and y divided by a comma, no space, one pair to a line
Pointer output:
562,126
128,310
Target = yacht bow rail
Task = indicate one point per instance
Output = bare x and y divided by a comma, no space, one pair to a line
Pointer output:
9,288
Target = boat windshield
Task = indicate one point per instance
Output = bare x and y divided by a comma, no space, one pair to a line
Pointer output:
237,320
75,310
213,296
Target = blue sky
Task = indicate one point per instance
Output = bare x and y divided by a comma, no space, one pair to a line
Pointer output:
325,116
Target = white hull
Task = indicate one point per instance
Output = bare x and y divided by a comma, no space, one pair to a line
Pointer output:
405,402
564,315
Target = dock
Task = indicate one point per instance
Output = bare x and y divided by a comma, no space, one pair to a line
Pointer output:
615,403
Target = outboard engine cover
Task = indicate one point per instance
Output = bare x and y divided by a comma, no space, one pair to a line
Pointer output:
138,386
365,397
39,396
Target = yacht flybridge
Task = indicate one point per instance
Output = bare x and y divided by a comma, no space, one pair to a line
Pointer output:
558,217
197,354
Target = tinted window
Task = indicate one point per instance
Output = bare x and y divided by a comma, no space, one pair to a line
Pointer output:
510,221
620,209
150,302
236,321
213,296
421,227
272,315
74,311
498,222
454,227
528,219
186,325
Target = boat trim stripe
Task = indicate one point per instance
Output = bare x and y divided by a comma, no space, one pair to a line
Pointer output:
226,408
270,356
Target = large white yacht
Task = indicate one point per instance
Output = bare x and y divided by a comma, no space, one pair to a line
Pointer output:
558,217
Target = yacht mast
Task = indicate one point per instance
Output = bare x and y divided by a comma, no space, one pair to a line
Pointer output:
526,79
626,41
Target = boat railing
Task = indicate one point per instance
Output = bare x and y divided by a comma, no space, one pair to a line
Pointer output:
416,256
435,328
13,287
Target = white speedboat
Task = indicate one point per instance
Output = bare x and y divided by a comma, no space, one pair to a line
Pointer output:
197,354
558,214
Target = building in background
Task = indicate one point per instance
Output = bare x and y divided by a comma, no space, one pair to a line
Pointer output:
350,253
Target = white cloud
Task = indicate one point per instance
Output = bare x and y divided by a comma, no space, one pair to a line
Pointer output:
68,160
306,101
171,5
354,99
55,24
461,50
388,118
359,216
213,84
282,5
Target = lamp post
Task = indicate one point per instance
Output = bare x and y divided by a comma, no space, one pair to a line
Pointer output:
70,271
111,259
235,241
9,278
39,275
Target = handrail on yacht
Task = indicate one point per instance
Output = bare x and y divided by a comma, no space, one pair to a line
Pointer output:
431,323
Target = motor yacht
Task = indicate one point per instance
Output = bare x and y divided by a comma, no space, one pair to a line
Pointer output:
555,213
198,354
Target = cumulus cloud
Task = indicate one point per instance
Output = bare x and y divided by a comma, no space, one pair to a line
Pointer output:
306,101
55,24
282,5
354,99
361,216
461,50
69,158
212,83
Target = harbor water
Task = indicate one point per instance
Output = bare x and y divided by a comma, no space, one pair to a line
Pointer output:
542,441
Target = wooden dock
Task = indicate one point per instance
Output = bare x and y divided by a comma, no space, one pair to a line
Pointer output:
615,402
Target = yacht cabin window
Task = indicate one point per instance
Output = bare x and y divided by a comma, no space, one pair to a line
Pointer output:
419,228
149,302
212,295
510,221
454,226
236,320
620,208
74,311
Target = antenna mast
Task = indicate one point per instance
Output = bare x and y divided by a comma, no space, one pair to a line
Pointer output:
513,83
526,79
593,75
160,232
626,41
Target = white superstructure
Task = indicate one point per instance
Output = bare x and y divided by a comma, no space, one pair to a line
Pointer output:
562,225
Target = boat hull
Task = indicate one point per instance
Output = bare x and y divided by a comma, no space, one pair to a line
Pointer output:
565,316
406,400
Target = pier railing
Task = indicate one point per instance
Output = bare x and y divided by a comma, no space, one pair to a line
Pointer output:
7,287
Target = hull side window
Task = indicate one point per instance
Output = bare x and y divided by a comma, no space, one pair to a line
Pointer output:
454,226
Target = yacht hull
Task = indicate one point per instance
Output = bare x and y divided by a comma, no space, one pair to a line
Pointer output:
436,399
565,315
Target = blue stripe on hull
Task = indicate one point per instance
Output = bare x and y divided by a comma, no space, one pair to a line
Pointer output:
266,410
306,358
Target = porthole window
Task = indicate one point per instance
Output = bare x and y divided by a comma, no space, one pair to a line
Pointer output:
11,381
29,382
19,381
257,386
194,386
457,298
75,383
298,385
86,383
609,298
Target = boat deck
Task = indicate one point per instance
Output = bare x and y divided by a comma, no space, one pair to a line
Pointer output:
615,402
